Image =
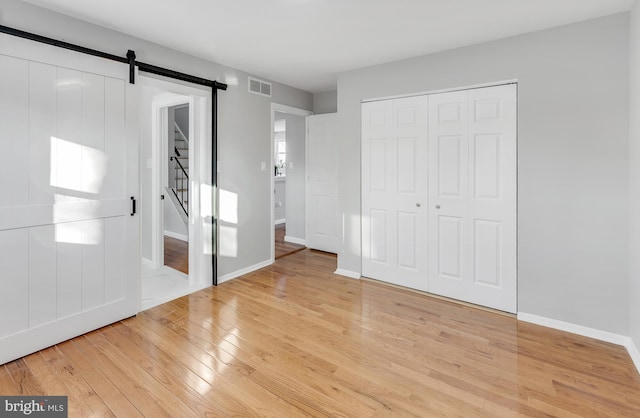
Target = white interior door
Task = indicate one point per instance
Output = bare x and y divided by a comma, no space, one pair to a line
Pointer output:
323,217
472,194
394,191
68,245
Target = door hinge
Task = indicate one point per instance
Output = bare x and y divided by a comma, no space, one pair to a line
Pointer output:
161,197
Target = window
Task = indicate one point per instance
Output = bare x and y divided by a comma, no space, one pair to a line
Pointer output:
280,148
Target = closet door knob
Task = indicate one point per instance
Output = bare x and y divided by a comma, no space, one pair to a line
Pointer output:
437,206
417,205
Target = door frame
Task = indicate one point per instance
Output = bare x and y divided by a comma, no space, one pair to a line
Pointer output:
159,143
199,101
276,107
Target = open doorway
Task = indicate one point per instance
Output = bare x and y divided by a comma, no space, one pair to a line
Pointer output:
289,180
175,182
175,185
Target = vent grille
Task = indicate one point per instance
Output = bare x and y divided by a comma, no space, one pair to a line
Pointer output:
259,87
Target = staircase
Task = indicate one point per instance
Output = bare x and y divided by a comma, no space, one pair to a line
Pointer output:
179,173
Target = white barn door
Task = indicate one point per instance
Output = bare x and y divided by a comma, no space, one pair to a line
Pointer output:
472,192
323,218
68,242
394,191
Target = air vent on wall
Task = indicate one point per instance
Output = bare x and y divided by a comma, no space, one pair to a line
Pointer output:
259,87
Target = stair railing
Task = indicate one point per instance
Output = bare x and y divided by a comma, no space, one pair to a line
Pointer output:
181,190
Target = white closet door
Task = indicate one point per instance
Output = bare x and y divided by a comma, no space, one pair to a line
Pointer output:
472,193
68,245
323,218
394,197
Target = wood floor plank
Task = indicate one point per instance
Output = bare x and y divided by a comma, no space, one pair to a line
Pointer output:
209,374
56,375
230,366
166,368
137,387
7,385
113,397
24,380
294,339
176,254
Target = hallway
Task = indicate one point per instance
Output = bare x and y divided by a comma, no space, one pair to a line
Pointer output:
284,248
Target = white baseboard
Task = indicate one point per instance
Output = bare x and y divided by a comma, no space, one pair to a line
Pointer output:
347,273
597,334
244,271
295,240
573,328
632,348
177,236
280,221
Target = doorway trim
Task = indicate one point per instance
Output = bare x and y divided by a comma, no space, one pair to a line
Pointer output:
276,107
200,105
159,138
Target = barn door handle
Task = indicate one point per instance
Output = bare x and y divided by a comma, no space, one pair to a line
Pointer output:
133,205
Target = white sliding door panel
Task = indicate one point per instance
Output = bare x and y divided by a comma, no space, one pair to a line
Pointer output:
92,263
14,281
113,185
14,130
67,160
115,246
68,245
394,200
69,268
42,276
93,141
324,230
42,130
472,171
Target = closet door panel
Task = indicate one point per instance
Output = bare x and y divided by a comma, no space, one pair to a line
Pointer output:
472,187
394,194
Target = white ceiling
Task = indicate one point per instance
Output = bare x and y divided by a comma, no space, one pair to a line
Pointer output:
305,43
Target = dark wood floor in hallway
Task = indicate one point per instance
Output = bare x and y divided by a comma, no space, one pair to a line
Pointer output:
293,339
176,254
282,247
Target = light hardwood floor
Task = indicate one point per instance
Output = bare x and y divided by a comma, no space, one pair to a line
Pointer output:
295,340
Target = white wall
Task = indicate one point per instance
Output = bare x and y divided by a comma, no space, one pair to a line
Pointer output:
181,115
325,102
244,122
173,224
572,159
296,176
634,176
280,199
